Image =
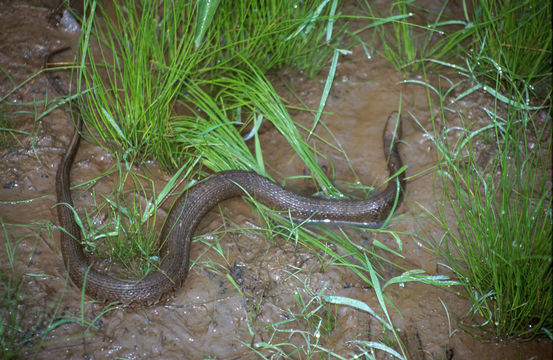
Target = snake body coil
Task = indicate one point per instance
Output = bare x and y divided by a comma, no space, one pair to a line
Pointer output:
191,207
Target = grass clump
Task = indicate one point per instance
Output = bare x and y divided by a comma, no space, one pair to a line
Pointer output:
11,333
123,226
145,56
513,38
403,42
501,247
505,37
305,329
499,241
153,55
495,184
408,38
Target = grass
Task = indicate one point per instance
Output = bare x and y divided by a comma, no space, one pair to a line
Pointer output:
142,64
214,134
24,326
129,89
296,35
11,333
304,330
502,212
212,70
503,215
128,234
511,40
407,44
10,113
308,324
146,64
307,327
505,38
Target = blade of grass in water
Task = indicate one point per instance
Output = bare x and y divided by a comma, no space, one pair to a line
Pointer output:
326,90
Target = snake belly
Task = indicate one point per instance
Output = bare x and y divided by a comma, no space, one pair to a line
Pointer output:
190,208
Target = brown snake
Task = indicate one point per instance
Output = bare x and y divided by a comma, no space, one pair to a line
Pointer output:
191,207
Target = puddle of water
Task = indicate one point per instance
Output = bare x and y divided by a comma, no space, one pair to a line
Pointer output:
208,316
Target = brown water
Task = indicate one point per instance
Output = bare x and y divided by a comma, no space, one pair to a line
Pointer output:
208,317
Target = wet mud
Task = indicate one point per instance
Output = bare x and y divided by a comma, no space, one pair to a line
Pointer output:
209,317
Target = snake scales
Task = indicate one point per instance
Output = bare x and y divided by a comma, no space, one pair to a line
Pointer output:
191,207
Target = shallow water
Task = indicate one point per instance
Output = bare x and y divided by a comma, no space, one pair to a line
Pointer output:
208,317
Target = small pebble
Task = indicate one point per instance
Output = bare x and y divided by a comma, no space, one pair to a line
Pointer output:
9,185
68,22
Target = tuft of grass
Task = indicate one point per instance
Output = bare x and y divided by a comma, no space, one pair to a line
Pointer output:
306,327
503,216
512,39
493,37
303,332
499,243
122,226
218,139
6,131
144,57
150,55
406,43
11,334
10,112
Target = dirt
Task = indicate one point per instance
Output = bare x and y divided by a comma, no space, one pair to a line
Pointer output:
208,317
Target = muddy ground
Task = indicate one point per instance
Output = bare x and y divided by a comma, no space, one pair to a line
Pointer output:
208,317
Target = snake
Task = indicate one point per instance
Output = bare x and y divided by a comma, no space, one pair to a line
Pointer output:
191,206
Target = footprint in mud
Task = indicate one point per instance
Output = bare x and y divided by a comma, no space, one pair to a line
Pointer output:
411,339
